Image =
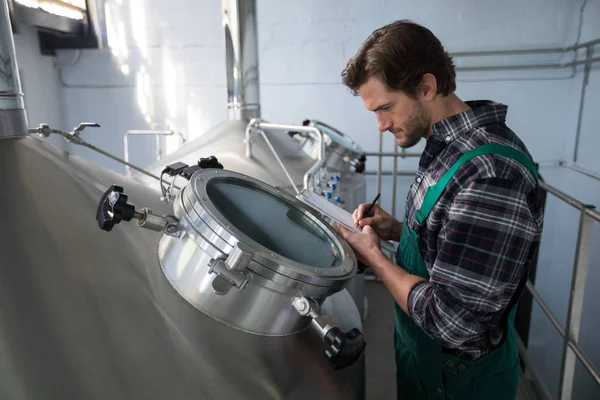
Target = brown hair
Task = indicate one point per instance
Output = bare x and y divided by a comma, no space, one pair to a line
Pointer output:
399,54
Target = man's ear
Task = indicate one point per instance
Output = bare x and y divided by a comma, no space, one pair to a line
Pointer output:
428,87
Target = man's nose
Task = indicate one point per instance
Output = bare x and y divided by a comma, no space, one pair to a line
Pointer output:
383,125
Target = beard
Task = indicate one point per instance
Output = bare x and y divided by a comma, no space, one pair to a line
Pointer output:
417,127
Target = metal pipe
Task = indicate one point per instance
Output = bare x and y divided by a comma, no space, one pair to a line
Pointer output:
593,213
562,195
582,170
394,154
13,119
241,59
127,164
528,66
388,173
342,134
544,186
45,131
158,146
379,162
535,374
157,133
587,363
548,50
97,21
586,80
248,136
536,295
281,164
308,176
394,176
575,310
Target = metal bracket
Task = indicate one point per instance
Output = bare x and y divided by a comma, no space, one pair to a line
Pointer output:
343,348
257,125
167,224
157,133
231,269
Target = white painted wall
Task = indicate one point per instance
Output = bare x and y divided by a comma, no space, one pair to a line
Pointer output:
40,81
589,141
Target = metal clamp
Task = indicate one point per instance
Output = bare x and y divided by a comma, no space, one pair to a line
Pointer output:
231,269
343,348
44,131
167,224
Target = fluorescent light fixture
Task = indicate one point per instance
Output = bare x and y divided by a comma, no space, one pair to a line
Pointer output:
72,9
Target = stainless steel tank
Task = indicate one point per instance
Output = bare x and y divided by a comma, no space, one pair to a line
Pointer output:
88,314
345,160
158,313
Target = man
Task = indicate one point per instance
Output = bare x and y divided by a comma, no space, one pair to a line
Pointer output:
472,225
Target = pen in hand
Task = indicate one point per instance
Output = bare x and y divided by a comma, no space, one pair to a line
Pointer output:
368,210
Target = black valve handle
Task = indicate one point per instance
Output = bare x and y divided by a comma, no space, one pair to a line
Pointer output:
113,208
344,348
361,267
210,162
187,171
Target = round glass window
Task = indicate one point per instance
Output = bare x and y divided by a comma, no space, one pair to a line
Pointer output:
274,223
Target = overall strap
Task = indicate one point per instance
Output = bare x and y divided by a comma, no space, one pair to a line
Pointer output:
435,191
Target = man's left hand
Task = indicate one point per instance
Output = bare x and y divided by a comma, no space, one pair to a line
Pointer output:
365,244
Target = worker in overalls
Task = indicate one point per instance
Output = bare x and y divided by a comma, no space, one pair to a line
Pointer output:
472,222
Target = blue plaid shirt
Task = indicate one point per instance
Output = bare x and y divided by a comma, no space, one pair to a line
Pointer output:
480,236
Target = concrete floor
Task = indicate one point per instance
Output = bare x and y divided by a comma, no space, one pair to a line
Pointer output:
379,333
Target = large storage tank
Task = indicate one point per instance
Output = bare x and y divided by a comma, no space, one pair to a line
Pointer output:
161,313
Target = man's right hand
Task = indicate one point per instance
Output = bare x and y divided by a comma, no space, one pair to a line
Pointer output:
384,225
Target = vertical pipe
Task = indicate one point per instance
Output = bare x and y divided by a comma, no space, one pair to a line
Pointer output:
13,120
126,153
569,359
586,79
158,147
241,59
394,177
379,162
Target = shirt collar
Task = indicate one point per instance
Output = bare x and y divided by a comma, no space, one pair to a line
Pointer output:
482,112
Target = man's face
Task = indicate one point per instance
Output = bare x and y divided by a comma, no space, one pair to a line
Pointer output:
405,117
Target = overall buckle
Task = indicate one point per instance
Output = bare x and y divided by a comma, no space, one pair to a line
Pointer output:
416,224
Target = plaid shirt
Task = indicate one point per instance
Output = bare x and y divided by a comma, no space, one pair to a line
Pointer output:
479,237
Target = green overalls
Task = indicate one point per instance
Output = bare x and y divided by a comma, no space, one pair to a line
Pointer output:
424,370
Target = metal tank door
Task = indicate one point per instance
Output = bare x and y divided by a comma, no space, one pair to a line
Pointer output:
249,255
